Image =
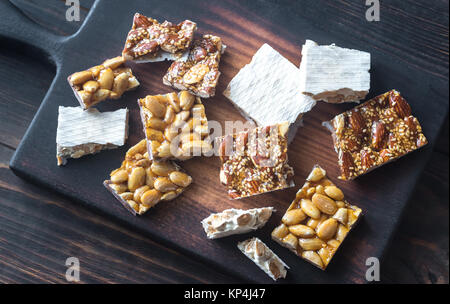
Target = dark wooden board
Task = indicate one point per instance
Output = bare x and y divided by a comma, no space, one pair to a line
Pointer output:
427,93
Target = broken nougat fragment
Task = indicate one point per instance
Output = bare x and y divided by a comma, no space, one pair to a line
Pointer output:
267,92
106,81
374,133
140,183
235,221
175,126
334,74
264,258
255,161
151,41
82,132
198,74
317,221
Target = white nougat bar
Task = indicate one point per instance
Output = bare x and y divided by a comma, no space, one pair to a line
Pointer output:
264,258
334,74
267,91
81,132
235,221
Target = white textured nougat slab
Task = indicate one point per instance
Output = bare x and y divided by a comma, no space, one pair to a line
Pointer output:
267,90
334,74
82,132
235,221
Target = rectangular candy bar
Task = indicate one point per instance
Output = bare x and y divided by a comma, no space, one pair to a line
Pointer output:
198,74
175,126
374,133
317,221
151,41
235,221
140,183
106,81
255,161
267,91
334,74
87,132
264,258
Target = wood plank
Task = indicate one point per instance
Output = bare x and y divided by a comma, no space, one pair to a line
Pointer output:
399,259
40,230
419,252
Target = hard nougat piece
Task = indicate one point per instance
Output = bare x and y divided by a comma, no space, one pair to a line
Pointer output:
317,221
334,74
175,126
235,221
255,161
199,74
82,132
140,183
267,91
375,133
106,81
264,258
151,41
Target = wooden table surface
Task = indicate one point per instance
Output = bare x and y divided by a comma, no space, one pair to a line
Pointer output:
39,230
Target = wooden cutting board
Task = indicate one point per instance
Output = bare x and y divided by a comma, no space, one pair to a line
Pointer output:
244,26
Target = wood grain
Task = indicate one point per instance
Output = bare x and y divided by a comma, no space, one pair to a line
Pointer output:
293,55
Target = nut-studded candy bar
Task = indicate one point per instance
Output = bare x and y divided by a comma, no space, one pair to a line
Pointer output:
317,221
235,221
106,81
198,74
140,183
374,133
264,258
175,126
255,161
151,41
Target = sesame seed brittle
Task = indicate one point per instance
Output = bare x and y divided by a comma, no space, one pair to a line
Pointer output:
255,161
198,74
150,41
372,134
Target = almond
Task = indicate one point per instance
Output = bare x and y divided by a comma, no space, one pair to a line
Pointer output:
378,134
366,161
347,164
385,154
401,107
356,121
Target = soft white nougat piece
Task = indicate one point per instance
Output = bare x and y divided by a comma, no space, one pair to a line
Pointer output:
334,74
264,258
235,221
82,132
267,90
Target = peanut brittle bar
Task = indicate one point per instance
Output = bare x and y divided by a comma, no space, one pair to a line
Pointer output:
255,161
198,74
264,258
140,183
317,221
106,81
151,41
175,126
374,133
235,221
